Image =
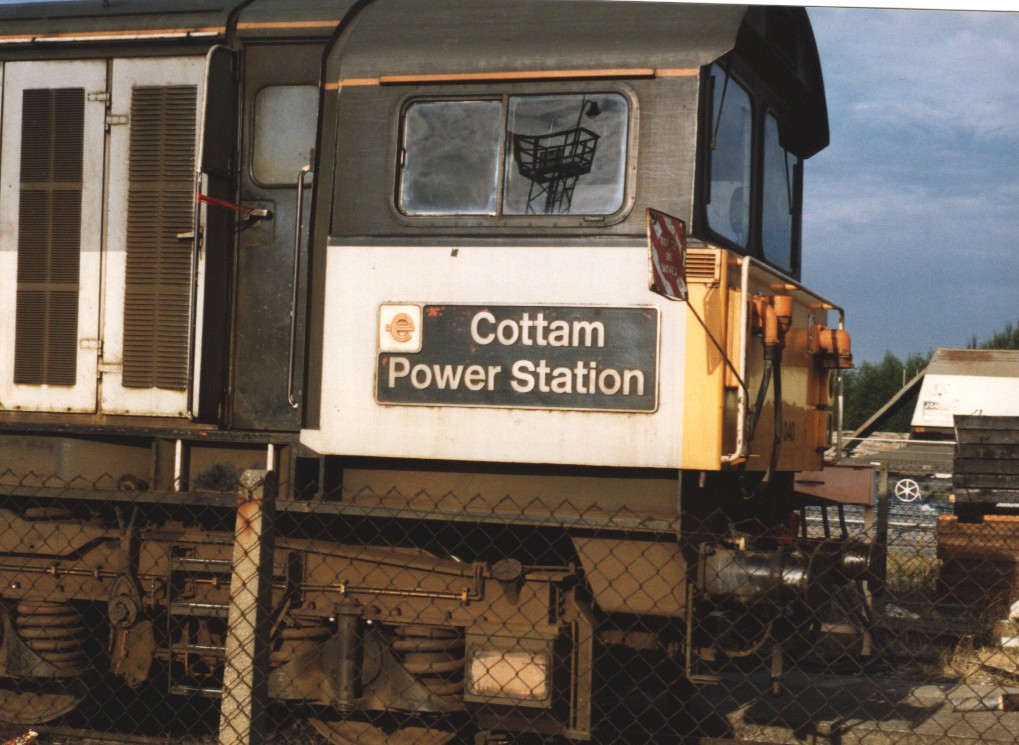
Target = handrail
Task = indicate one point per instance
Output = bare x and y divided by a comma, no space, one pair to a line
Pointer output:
299,222
739,451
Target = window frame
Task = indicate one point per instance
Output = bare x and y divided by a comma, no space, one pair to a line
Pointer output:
496,173
794,186
711,132
763,103
504,92
254,139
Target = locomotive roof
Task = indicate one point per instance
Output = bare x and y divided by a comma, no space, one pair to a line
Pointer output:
82,15
406,40
121,20
292,17
454,39
93,8
411,37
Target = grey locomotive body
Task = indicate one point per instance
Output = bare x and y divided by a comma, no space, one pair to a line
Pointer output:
384,267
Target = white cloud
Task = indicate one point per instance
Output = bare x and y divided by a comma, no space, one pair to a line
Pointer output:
910,216
939,73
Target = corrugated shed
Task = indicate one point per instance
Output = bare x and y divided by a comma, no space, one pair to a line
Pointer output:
981,382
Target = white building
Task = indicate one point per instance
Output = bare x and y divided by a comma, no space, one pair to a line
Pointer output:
982,382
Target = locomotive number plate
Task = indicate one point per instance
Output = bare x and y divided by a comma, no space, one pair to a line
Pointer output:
542,357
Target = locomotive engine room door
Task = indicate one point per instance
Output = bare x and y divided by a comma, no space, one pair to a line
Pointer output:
51,174
151,315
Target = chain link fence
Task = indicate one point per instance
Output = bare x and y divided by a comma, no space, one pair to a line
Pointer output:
367,615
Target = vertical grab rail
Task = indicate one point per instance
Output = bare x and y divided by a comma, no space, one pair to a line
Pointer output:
299,222
840,405
741,394
743,403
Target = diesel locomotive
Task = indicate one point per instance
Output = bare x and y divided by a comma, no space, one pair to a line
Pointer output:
466,337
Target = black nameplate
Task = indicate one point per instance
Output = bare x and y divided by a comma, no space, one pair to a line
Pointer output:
547,357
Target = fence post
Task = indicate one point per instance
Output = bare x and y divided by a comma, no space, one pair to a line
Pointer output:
881,534
246,669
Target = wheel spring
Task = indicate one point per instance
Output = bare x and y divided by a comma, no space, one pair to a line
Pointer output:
54,631
297,637
434,655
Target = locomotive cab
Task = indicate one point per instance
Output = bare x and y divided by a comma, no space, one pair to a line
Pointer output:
481,257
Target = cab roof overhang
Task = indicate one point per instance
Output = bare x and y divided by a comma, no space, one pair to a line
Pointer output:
404,40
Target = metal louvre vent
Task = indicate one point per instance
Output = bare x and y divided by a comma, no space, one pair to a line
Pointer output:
702,265
157,303
49,236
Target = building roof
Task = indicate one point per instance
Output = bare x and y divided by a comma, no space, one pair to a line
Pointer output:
984,363
967,382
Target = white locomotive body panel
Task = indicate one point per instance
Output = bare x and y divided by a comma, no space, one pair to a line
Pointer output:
514,424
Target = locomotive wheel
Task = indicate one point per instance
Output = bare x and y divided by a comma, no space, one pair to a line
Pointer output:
38,703
351,732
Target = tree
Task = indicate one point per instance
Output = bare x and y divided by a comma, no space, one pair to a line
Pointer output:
1007,338
870,386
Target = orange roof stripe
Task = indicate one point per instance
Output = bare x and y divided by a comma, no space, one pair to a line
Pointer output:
677,72
119,34
623,72
516,75
164,32
251,25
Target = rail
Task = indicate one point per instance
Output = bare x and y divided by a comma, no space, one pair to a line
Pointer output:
861,522
909,441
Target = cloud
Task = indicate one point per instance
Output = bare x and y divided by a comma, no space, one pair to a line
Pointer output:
935,72
910,215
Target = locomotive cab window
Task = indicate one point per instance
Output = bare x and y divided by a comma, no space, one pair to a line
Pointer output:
515,155
752,183
779,182
728,201
284,133
451,157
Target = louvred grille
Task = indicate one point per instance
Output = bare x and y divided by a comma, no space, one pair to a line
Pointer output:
49,237
157,303
702,266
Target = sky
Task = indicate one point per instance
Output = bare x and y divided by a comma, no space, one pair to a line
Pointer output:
911,215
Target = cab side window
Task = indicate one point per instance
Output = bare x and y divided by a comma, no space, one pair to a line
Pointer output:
728,200
451,157
514,155
568,155
284,135
751,188
778,210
